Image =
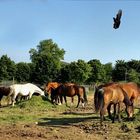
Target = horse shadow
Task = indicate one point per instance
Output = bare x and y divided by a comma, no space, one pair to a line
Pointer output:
66,121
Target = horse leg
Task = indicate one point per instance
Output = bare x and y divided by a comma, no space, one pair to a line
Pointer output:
132,108
119,115
13,99
30,95
65,99
109,111
114,115
78,101
82,101
61,99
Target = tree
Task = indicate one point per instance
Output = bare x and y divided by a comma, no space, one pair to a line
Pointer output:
133,64
65,73
119,71
46,61
7,68
133,76
108,72
23,72
97,72
80,71
76,72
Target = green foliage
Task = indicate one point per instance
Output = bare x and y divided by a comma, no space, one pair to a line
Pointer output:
47,65
23,72
98,72
120,70
133,76
7,68
77,72
46,60
108,72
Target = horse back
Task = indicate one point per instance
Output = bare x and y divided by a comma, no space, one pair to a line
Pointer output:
131,89
113,94
66,90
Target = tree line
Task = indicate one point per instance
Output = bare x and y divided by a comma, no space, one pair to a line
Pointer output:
47,65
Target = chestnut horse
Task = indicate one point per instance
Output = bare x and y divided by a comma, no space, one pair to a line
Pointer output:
51,86
110,94
70,91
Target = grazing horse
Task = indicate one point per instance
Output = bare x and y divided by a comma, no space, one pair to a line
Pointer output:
70,91
105,96
133,91
50,87
24,90
4,91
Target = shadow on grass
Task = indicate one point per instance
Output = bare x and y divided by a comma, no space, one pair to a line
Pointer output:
76,113
65,121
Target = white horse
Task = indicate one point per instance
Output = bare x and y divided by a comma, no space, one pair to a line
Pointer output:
24,90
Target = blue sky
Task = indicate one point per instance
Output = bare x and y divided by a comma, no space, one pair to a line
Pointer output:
83,28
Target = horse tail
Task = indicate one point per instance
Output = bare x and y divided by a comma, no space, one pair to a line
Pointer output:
85,95
98,99
126,98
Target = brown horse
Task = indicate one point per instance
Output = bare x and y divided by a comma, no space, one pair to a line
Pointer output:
70,91
133,91
105,96
4,91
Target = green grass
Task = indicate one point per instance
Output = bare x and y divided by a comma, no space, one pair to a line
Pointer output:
34,110
25,111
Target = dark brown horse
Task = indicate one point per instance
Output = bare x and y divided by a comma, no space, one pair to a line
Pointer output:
4,91
70,91
105,96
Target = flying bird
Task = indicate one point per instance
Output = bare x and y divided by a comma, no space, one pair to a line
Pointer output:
117,20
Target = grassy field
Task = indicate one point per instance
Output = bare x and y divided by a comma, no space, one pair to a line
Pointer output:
39,119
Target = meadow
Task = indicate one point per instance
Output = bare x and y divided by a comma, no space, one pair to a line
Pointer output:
38,119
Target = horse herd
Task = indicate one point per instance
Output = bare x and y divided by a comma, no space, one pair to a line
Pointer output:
105,96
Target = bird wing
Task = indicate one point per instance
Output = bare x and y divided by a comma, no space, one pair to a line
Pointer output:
119,14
